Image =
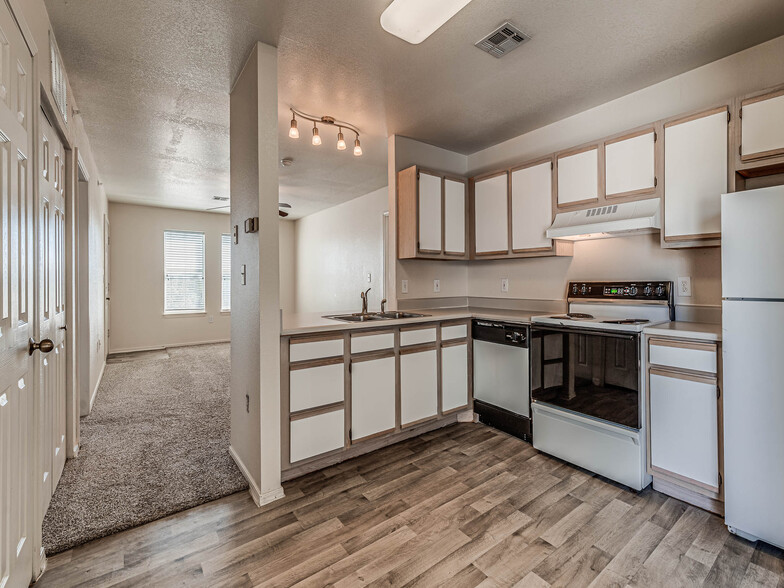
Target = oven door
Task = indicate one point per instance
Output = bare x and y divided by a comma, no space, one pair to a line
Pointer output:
593,373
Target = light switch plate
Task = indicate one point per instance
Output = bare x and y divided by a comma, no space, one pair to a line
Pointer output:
504,284
436,285
404,286
684,287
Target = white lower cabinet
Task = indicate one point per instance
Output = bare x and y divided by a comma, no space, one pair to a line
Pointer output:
684,426
454,376
312,436
311,387
372,397
418,386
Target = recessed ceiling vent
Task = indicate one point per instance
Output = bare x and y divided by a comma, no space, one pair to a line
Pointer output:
503,40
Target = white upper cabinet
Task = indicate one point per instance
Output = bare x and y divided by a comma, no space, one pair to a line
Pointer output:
630,165
429,212
491,215
578,177
695,175
762,126
532,207
454,217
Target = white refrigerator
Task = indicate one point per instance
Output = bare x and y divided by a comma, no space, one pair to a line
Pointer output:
752,289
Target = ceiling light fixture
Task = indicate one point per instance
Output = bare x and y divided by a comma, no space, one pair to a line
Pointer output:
415,20
326,120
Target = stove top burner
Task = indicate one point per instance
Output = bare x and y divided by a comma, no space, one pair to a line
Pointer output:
574,315
628,321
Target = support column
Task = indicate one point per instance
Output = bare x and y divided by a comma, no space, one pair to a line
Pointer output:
255,299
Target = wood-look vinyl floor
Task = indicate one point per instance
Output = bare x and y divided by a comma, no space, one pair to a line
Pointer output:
462,506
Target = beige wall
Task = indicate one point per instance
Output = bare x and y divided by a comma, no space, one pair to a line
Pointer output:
137,319
336,249
637,257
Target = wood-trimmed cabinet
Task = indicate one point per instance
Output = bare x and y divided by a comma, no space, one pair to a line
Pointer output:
577,177
684,419
759,134
432,215
349,392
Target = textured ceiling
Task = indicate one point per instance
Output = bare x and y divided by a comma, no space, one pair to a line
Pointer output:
152,79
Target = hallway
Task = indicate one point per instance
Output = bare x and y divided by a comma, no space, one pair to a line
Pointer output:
154,444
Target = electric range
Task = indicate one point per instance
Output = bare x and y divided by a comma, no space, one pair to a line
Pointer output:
587,385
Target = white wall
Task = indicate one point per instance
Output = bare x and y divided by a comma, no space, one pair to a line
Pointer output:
336,249
137,282
288,265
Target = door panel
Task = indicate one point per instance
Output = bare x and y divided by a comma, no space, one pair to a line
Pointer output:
16,287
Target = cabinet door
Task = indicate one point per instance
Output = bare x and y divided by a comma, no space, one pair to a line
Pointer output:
372,397
454,217
418,386
491,215
317,434
684,427
578,177
454,376
630,165
310,387
762,126
532,207
429,213
695,176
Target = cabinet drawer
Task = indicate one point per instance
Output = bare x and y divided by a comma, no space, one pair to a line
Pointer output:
685,355
417,336
315,386
684,427
454,332
315,349
375,342
317,434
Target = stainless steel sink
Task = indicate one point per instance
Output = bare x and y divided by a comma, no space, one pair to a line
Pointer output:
394,314
357,317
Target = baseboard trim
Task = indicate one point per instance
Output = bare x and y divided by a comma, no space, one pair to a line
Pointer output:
94,393
256,494
159,347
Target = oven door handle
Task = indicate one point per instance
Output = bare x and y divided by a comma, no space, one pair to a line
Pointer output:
535,329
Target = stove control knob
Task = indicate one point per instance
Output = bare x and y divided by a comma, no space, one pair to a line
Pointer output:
659,290
574,289
647,290
584,289
633,291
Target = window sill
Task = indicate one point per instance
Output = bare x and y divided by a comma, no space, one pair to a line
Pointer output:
184,313
225,312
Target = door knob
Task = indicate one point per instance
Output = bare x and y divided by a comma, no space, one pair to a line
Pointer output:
45,346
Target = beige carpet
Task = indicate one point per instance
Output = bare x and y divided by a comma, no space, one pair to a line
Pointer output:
155,443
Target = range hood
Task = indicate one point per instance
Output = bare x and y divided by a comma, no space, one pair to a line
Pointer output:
613,220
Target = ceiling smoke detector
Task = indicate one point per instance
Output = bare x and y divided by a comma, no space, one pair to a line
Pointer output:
504,39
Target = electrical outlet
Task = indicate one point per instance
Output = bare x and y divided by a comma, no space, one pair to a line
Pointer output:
210,318
370,278
404,286
684,287
504,284
436,285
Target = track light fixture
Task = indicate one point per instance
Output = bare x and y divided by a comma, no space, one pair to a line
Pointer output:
326,120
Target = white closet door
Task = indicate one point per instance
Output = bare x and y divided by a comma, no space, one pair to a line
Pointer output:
695,175
491,210
629,165
578,177
372,397
454,216
429,213
454,376
762,127
418,386
532,207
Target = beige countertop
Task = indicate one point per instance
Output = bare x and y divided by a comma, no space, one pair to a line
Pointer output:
685,330
302,323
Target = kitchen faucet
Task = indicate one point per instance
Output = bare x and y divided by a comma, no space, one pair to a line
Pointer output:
364,296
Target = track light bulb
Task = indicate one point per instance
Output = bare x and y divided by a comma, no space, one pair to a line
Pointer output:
294,131
357,148
341,141
316,139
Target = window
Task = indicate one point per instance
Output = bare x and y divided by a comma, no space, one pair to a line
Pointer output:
225,272
183,267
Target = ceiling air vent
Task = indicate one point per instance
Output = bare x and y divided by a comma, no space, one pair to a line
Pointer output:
503,40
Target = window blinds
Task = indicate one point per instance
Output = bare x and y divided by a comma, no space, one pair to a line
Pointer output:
225,272
183,261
